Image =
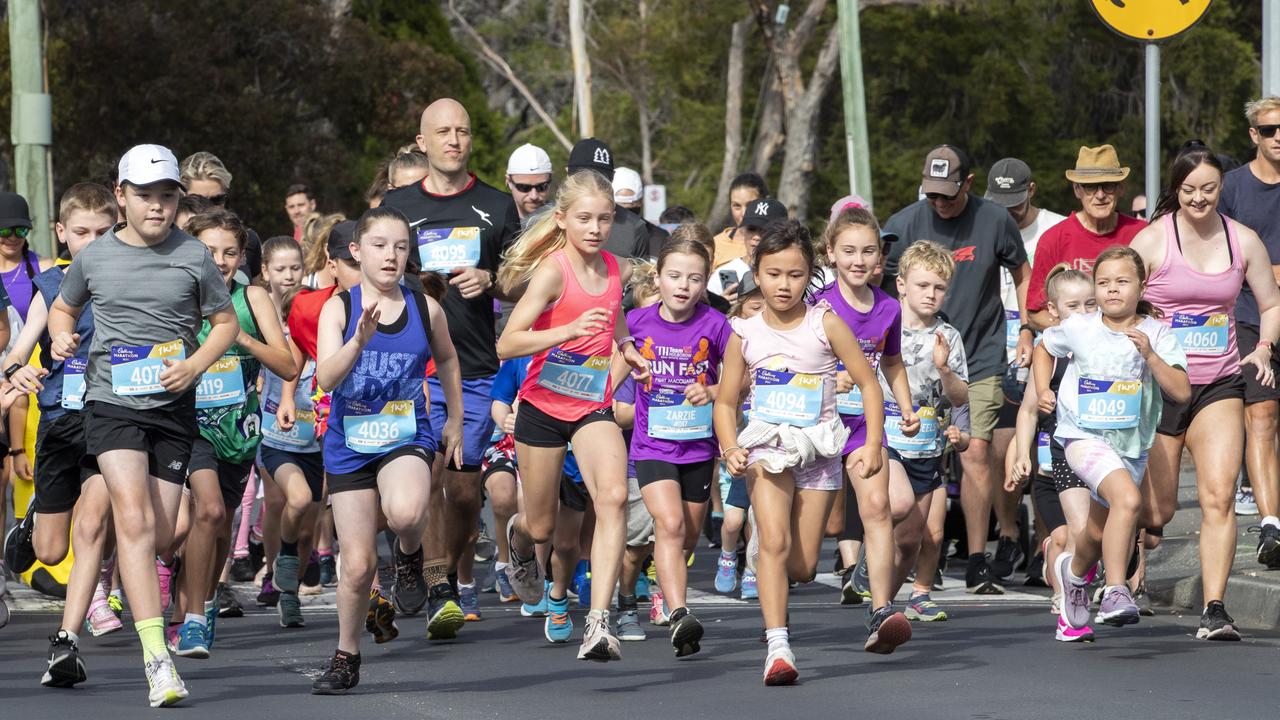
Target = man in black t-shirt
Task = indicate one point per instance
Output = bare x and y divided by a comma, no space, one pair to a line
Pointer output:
462,226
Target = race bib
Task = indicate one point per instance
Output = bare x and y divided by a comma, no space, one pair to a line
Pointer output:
221,385
1109,404
583,377
1201,334
925,440
73,383
443,249
849,403
302,435
1043,459
1012,328
373,431
135,370
787,398
671,417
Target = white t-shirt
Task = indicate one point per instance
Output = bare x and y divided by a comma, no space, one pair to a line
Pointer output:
1045,219
737,265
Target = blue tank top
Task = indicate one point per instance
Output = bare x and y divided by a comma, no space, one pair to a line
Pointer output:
380,405
50,398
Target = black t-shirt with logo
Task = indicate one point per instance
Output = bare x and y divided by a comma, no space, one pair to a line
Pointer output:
470,228
982,239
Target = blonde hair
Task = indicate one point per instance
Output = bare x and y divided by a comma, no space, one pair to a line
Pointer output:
1059,276
544,235
850,217
927,255
204,166
315,240
1254,108
644,280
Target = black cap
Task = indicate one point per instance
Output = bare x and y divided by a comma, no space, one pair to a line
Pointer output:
747,285
591,154
340,239
14,211
760,213
1009,182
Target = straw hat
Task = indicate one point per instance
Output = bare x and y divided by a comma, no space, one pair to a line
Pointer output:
1097,165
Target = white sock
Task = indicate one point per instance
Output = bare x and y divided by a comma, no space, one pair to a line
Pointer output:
74,638
1271,520
470,586
192,617
779,638
1072,577
500,566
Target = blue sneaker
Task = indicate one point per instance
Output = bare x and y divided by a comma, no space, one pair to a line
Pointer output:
558,626
210,616
584,590
539,609
581,578
749,591
642,588
502,586
727,573
191,641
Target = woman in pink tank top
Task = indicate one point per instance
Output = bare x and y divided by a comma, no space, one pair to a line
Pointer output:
1198,261
568,320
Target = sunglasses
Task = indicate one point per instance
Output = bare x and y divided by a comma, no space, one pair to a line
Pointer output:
1267,131
8,232
220,199
540,187
1110,188
940,196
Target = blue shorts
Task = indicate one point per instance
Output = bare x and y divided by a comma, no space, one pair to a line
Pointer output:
311,465
477,423
733,490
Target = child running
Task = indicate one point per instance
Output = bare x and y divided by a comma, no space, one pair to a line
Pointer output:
569,319
791,449
1108,410
379,445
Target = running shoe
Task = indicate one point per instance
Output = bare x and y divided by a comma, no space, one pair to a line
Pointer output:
469,601
1216,624
19,550
410,592
977,577
210,620
328,571
165,575
1117,607
100,620
290,610
780,667
1075,597
1035,572
1143,601
527,578
558,627
581,583
749,590
598,641
629,628
887,629
65,666
269,596
848,594
191,641
171,636
1268,545
538,609
4,612
642,588
117,604
1008,556
860,581
485,547
1066,633
1055,603
686,632
657,608
257,555
502,586
727,573
311,573
242,569
166,687
380,621
445,613
1245,502
228,603
922,608
285,576
340,675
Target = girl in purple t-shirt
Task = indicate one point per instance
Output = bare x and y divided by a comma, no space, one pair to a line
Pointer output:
673,448
855,249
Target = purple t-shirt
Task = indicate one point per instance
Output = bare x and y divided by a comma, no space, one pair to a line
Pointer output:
679,355
879,333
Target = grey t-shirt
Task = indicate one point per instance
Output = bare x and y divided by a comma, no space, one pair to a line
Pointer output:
142,296
982,239
1256,205
922,375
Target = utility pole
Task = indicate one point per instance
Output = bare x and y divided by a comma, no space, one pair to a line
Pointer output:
32,125
581,68
1151,155
1270,52
857,146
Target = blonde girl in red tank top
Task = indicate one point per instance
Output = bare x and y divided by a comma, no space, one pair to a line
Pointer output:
1195,255
569,320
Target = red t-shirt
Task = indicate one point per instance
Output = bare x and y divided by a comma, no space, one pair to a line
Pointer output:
304,318
1070,242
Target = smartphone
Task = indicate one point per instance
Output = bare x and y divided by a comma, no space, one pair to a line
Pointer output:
728,278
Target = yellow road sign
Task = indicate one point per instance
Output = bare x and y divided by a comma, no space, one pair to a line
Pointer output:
1150,20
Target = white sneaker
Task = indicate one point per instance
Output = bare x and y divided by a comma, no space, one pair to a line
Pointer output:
166,687
598,641
780,667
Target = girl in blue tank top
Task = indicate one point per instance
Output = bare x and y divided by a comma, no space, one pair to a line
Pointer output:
373,347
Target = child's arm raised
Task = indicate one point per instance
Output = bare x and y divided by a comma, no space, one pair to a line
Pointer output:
518,340
274,353
336,358
1171,379
846,348
896,373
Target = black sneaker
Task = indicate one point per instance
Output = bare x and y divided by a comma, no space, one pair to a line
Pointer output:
340,675
1007,557
686,632
977,577
380,621
410,591
886,630
228,603
270,594
311,576
242,569
257,556
328,571
1135,556
1268,546
65,666
19,552
1035,572
1216,624
445,612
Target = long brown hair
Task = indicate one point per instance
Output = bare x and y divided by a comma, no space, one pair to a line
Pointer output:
1124,252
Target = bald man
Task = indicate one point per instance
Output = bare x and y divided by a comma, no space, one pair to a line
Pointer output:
462,225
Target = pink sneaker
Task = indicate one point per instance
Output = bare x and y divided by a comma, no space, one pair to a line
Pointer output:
658,609
101,620
165,573
171,637
1066,633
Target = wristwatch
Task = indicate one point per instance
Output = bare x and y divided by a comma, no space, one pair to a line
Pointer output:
16,452
9,371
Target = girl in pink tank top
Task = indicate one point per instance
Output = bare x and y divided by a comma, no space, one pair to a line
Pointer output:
791,448
568,320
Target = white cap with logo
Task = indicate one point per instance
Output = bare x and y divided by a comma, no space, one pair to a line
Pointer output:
149,164
529,160
627,186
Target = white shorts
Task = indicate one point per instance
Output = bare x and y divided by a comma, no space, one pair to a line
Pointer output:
1093,459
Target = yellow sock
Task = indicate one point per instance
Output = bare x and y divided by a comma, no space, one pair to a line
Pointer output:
151,633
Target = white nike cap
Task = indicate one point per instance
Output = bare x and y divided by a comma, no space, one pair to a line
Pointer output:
149,164
529,160
627,185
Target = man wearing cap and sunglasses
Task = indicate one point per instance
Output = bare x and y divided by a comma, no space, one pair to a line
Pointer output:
1251,196
529,180
982,239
